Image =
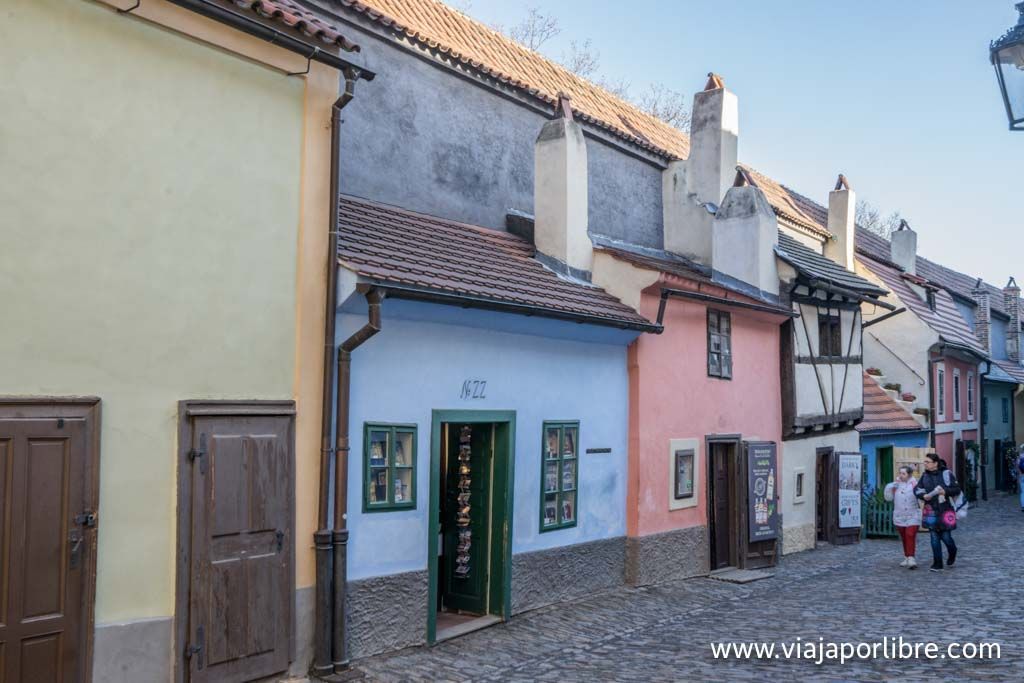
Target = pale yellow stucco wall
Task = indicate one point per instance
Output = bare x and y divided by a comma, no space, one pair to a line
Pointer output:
150,205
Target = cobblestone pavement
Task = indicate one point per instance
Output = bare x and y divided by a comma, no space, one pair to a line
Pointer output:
852,593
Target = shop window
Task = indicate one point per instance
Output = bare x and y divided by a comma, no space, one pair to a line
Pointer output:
719,344
956,393
1005,402
559,475
683,472
970,395
940,390
389,467
830,337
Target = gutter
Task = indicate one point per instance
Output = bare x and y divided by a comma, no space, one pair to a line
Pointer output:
469,301
255,28
323,662
860,296
890,314
667,292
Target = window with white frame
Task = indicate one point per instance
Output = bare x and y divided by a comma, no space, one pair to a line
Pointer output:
940,390
956,393
970,395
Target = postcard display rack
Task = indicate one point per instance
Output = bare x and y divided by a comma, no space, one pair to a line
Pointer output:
462,518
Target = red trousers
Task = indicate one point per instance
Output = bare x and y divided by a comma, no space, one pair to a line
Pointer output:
908,534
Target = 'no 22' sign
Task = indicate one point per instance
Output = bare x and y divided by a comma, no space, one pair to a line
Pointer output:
473,389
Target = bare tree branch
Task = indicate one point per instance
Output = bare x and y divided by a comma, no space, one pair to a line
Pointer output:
870,218
535,30
666,104
583,60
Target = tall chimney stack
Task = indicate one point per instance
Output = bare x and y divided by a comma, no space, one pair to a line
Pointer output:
982,316
746,232
560,190
842,209
692,190
903,248
1011,301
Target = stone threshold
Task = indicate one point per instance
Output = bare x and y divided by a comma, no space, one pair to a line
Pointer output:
466,627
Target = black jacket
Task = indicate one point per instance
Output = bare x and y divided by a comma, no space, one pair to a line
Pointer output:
940,516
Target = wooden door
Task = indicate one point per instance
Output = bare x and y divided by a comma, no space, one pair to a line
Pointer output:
886,471
721,505
960,464
47,540
998,465
823,500
239,469
466,583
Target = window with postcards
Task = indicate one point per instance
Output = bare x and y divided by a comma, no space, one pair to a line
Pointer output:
719,344
559,475
389,467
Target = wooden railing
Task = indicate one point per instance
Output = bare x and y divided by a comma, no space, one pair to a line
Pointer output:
877,517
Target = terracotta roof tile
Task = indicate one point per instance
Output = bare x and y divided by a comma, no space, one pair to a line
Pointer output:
393,246
882,412
296,17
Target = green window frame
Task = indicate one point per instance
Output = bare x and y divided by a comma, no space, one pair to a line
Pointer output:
559,474
389,452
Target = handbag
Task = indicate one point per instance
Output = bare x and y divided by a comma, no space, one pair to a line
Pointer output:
959,502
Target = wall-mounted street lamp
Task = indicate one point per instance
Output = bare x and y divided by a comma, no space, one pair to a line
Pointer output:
1007,54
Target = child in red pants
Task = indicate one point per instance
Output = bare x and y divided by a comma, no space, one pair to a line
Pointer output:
906,515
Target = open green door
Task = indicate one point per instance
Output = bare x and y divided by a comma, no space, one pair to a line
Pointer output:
465,517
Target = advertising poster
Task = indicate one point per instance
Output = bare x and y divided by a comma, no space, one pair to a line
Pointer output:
849,490
762,478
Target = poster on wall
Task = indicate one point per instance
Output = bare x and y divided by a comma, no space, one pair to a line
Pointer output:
849,490
762,501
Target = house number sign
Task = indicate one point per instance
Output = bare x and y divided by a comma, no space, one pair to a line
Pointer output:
473,389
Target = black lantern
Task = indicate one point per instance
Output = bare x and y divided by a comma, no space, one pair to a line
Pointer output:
1007,56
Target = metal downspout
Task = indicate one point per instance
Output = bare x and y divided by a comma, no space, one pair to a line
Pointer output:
339,534
981,428
322,659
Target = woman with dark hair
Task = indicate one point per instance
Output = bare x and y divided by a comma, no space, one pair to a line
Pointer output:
936,488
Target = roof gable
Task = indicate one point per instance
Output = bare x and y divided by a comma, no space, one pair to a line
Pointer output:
813,265
882,413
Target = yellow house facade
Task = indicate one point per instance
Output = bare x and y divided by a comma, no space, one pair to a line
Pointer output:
164,218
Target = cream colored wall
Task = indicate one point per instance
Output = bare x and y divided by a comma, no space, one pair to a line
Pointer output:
150,198
620,279
801,454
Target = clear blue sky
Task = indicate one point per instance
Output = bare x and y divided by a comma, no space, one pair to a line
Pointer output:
899,96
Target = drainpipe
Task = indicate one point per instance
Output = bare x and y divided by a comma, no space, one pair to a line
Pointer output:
932,388
981,427
322,661
339,535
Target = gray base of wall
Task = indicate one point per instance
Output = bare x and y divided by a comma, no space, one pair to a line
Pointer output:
677,554
305,619
132,651
798,538
387,613
546,577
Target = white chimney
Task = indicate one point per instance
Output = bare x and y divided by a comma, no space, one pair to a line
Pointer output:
560,190
745,234
691,193
903,248
842,210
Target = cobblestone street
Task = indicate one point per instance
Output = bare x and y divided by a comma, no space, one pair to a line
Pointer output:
842,594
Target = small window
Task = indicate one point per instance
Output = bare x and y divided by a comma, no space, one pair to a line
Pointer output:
559,475
956,393
830,336
719,344
389,467
799,484
1005,402
970,395
940,389
684,474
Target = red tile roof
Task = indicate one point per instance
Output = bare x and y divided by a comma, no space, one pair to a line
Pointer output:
440,29
945,320
882,412
294,16
473,265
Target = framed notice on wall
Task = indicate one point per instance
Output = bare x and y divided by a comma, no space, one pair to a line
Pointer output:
762,501
849,490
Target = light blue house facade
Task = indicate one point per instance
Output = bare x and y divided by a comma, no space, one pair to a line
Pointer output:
889,436
492,376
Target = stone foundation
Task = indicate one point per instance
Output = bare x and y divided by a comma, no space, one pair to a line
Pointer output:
677,554
387,613
798,538
545,577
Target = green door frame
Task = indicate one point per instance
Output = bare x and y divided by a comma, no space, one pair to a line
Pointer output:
504,448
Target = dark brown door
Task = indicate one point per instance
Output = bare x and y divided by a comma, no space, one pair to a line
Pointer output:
960,464
47,543
822,497
721,505
240,563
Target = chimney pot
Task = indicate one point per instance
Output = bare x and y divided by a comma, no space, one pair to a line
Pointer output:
842,213
903,248
1011,301
744,236
982,316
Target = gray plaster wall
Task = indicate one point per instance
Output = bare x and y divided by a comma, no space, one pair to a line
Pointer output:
546,577
387,613
132,651
423,138
676,554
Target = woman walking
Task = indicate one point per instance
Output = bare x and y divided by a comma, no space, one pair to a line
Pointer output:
936,488
906,514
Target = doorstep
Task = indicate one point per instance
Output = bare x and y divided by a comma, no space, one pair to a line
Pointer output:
734,575
465,627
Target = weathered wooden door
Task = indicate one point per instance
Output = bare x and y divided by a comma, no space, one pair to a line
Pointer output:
722,540
823,495
48,460
467,519
240,464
